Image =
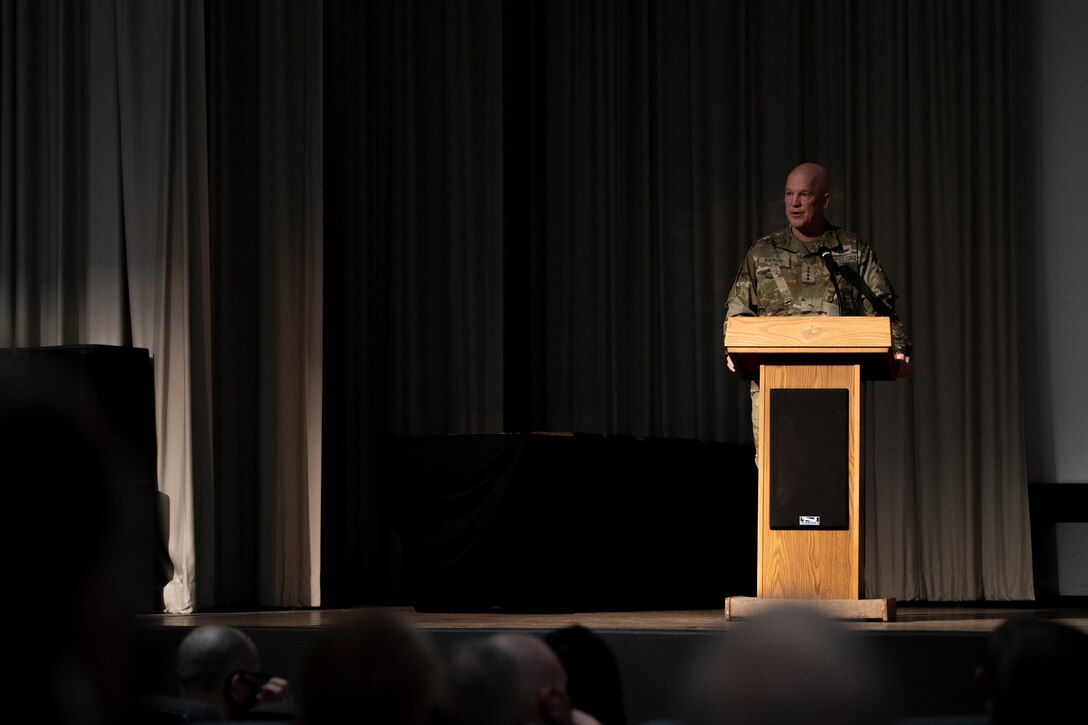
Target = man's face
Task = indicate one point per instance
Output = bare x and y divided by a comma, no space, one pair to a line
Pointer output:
805,202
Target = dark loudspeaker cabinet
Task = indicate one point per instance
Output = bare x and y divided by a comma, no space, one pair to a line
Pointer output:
94,401
809,477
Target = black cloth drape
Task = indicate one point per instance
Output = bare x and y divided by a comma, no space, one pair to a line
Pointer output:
572,522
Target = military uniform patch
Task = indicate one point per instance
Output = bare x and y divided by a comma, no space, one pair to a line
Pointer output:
847,256
780,282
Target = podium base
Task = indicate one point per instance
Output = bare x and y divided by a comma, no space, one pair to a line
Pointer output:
859,609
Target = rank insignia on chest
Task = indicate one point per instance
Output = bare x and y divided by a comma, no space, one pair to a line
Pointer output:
808,274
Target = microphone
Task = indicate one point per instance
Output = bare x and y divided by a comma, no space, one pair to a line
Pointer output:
834,270
829,261
880,306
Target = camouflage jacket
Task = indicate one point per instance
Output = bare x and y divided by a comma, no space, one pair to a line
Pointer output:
783,276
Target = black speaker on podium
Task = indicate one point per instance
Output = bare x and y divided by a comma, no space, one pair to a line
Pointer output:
808,445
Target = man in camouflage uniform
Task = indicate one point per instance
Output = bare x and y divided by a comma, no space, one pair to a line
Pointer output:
784,274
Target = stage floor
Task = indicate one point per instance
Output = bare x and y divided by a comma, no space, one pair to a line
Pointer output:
910,618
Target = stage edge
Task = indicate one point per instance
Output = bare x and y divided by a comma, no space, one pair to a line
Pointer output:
869,609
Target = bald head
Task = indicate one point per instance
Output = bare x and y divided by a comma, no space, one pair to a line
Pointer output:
542,677
789,665
210,654
807,196
812,174
484,686
377,664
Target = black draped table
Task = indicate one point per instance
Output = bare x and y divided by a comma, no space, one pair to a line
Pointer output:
548,522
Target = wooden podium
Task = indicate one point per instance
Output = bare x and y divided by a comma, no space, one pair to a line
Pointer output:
805,364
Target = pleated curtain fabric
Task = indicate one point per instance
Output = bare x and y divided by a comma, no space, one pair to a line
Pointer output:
333,221
107,238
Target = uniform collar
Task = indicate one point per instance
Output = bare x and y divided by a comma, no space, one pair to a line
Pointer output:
830,239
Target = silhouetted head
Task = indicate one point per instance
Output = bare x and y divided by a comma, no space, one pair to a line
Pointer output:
543,681
483,683
1035,671
593,677
220,667
75,666
790,665
376,668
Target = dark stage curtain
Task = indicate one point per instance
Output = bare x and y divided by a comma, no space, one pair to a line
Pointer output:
643,148
413,256
264,131
336,222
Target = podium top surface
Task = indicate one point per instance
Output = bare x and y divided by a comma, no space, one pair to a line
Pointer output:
811,340
808,331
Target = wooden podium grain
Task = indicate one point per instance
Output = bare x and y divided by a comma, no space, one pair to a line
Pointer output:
822,567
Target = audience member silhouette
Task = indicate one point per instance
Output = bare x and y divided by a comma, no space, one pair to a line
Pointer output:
593,677
1034,671
542,686
220,667
483,682
790,665
374,668
75,659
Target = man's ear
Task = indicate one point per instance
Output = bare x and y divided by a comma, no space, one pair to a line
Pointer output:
238,689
